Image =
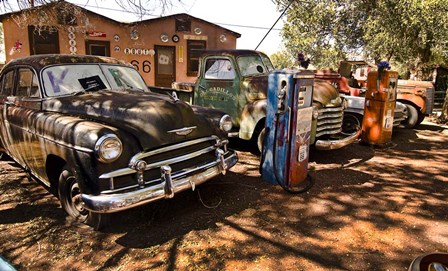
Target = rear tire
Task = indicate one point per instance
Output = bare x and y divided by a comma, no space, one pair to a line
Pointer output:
413,116
70,197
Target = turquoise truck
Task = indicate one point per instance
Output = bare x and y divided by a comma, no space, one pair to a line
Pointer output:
236,82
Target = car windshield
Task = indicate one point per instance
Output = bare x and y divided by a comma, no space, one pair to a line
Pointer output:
71,79
251,65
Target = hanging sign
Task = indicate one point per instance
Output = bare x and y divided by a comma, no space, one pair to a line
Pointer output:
96,34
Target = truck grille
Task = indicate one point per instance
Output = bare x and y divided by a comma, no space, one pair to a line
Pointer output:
329,121
182,158
429,100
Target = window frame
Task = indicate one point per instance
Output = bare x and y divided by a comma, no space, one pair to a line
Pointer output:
193,69
53,35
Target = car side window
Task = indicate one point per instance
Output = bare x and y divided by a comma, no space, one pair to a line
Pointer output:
27,84
7,83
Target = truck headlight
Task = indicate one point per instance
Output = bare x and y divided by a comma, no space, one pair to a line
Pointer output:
225,123
108,148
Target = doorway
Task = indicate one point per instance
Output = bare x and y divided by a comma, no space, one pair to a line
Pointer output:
165,65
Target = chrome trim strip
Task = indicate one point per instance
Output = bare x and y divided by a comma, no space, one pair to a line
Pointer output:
119,202
142,155
330,109
332,120
181,130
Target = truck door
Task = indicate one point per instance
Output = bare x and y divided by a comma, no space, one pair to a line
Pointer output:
218,86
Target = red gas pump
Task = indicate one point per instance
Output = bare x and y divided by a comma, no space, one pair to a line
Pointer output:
379,107
288,130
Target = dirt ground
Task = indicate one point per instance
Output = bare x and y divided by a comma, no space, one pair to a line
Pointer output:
369,209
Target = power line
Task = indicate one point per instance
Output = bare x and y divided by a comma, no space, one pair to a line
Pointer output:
156,16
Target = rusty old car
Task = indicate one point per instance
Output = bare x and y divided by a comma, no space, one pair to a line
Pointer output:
89,130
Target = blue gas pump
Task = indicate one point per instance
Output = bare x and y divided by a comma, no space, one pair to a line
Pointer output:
288,125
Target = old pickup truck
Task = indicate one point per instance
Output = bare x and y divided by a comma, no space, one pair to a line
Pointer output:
236,82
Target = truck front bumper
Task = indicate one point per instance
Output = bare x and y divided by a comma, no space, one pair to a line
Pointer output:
337,143
170,185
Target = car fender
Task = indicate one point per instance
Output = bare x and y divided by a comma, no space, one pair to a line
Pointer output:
252,113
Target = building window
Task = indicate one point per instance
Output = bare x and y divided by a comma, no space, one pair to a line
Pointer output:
43,41
97,47
183,25
194,48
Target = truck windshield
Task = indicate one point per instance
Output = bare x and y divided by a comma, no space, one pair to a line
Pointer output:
268,63
251,65
71,79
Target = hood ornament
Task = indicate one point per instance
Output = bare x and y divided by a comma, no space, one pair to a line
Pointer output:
174,96
182,131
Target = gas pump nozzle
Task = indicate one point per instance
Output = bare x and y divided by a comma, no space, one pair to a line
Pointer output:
281,99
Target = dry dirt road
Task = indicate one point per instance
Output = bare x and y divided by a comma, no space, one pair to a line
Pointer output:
369,209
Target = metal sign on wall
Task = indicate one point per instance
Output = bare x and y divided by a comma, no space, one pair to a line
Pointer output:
96,34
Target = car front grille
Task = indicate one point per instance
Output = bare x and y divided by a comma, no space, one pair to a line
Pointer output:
329,121
182,158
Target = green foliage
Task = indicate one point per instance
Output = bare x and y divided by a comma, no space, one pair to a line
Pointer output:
412,33
282,59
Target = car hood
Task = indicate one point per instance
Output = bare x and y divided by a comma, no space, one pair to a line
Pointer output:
148,116
325,94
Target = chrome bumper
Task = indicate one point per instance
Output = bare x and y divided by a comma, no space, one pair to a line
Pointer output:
339,143
171,184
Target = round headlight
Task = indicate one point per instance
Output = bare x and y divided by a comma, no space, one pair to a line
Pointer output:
225,123
108,148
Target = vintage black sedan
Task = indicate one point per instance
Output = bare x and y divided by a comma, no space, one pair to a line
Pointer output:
89,129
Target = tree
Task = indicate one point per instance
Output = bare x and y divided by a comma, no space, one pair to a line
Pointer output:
140,8
282,59
410,33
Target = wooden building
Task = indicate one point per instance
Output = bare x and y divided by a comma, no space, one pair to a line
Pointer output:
164,49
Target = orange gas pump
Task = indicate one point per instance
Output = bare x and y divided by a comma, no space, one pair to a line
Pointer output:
379,107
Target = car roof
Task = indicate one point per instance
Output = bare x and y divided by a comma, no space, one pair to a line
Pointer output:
40,61
233,52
